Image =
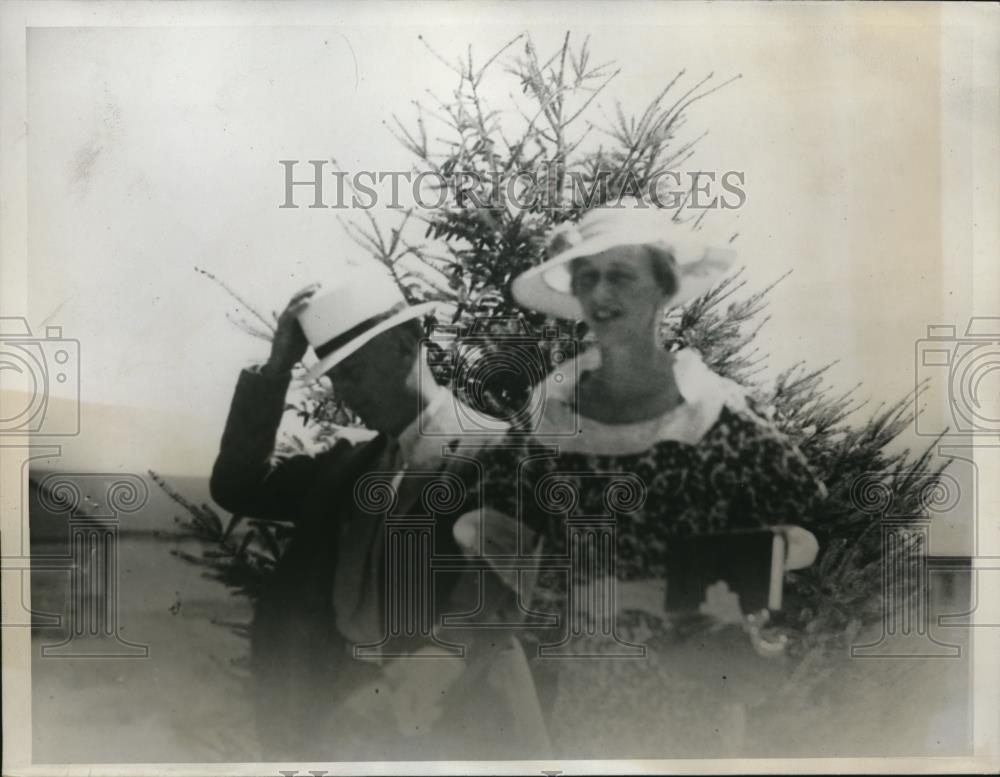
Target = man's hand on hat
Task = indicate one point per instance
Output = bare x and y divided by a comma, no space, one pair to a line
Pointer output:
289,343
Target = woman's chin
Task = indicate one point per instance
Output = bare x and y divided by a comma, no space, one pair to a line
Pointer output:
602,324
613,330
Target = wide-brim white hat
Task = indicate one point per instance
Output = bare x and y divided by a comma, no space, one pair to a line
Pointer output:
345,315
698,264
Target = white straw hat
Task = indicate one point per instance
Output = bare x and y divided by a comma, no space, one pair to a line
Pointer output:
344,315
547,286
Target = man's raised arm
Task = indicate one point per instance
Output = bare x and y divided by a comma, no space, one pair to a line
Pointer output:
246,479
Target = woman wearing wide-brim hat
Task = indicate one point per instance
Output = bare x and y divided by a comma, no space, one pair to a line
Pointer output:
671,448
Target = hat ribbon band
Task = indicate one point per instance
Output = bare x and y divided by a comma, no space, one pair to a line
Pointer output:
325,349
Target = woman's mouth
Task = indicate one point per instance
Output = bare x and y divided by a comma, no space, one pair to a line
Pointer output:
603,315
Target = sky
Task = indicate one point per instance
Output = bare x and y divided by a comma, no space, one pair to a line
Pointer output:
153,151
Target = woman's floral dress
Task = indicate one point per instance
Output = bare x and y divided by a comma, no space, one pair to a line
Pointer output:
604,504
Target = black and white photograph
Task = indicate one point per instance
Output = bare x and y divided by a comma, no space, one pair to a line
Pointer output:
499,387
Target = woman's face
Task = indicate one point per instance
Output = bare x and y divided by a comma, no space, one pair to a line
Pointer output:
619,293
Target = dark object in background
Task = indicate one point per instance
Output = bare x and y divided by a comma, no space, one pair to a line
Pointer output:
750,562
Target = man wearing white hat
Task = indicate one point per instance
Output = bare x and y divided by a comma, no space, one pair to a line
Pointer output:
315,699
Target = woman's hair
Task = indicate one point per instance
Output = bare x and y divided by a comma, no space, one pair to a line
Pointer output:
664,268
661,261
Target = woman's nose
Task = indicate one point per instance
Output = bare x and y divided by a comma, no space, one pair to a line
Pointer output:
602,291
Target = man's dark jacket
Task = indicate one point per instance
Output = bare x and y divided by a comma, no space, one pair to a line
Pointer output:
300,663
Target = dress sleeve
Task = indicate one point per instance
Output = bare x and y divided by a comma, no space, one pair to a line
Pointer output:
769,480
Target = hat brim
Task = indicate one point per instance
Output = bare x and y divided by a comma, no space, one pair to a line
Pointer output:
546,287
331,360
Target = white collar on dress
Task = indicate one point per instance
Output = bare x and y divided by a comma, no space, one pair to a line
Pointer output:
705,393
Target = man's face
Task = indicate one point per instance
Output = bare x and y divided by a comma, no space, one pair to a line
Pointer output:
374,382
